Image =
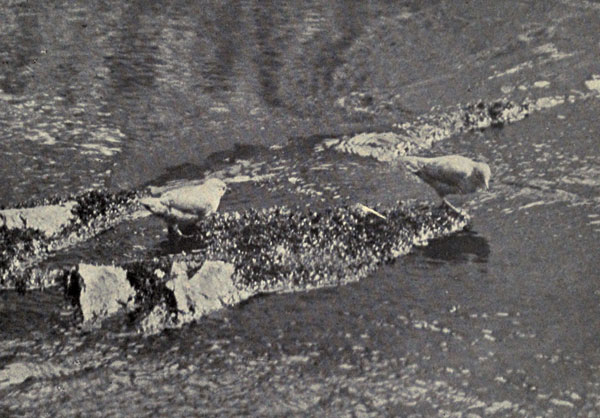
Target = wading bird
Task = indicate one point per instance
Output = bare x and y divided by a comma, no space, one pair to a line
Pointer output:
450,174
186,205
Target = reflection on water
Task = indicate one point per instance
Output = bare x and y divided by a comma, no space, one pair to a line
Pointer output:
180,78
463,247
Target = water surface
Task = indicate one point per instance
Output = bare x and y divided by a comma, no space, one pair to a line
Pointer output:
501,320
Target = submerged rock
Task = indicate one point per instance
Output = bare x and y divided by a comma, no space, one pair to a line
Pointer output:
424,131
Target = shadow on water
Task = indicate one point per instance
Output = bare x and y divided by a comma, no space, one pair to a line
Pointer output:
460,248
217,160
178,245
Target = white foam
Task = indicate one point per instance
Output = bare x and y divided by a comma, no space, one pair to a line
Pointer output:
541,84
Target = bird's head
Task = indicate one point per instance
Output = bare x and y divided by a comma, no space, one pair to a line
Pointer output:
217,185
483,173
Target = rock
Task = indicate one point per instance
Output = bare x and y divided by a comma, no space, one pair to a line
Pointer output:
384,146
157,320
593,84
28,235
15,373
50,220
208,290
104,291
278,249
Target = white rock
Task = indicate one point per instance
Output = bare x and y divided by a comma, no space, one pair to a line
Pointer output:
104,291
593,84
208,290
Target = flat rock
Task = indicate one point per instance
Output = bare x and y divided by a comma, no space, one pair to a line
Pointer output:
384,146
50,220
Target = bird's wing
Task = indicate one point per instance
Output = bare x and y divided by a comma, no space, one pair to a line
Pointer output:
154,205
449,169
189,199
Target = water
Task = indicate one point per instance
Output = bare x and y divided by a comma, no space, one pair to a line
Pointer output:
502,319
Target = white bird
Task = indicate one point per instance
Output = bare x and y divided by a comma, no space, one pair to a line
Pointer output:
450,174
186,205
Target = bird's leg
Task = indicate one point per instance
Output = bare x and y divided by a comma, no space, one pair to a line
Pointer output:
450,205
174,231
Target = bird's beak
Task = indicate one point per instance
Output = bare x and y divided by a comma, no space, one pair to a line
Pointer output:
487,186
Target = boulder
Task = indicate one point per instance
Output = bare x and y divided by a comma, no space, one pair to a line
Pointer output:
208,290
104,291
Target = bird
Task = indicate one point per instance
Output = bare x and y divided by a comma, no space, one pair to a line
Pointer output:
186,205
450,174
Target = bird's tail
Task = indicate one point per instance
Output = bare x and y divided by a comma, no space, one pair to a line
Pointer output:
153,204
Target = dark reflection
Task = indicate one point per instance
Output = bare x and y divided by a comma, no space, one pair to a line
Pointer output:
463,247
349,18
268,20
24,316
19,49
225,33
132,66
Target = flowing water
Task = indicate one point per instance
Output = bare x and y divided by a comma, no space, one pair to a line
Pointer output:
501,320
